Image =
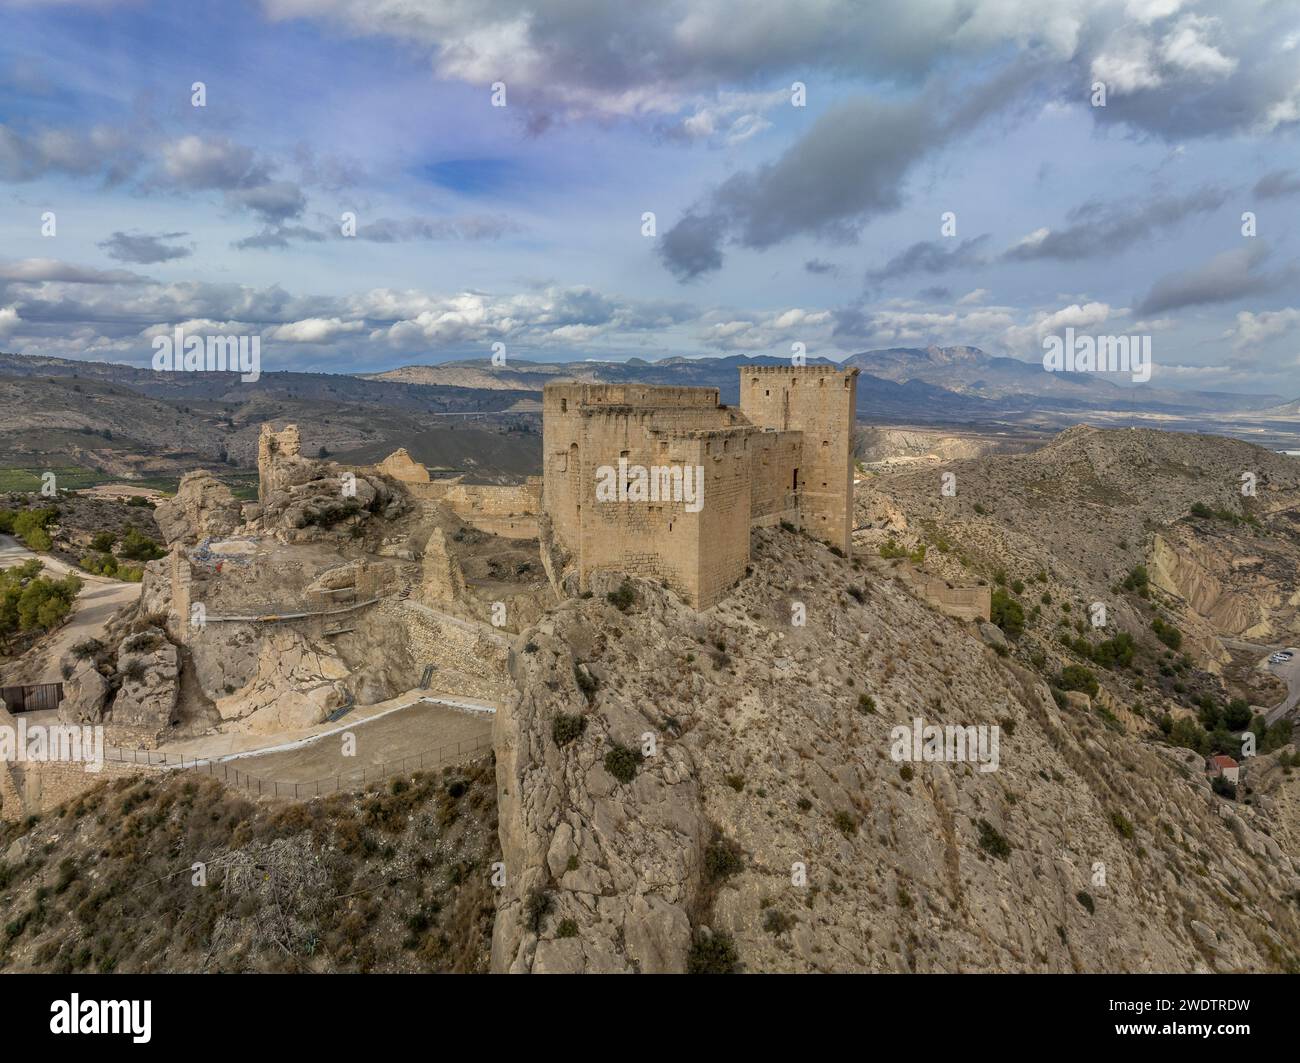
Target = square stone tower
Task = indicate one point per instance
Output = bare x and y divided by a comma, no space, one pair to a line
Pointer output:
819,401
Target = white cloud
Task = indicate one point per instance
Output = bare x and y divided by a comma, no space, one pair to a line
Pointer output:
1253,329
1126,64
314,330
9,320
1187,46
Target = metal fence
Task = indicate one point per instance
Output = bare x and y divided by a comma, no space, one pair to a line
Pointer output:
253,784
32,696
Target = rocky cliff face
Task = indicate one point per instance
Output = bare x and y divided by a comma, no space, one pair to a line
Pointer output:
771,818
203,507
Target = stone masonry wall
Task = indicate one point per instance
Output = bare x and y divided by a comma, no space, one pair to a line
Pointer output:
820,402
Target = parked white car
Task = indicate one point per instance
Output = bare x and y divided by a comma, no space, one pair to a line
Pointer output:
1281,658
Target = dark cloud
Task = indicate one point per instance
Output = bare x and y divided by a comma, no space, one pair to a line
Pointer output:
278,237
1206,68
107,153
694,245
933,256
817,266
848,168
51,270
144,248
936,294
1278,185
274,201
1105,228
471,228
1228,276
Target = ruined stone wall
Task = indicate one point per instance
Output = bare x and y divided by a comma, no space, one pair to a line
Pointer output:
402,467
562,461
964,603
820,402
510,510
273,448
469,659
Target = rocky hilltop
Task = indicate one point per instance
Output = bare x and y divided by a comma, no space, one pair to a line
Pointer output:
770,829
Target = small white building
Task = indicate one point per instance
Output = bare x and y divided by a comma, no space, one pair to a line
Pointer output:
1225,766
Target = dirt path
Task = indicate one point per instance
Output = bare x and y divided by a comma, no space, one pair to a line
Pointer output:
97,603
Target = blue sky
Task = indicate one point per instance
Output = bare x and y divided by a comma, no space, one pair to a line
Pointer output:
774,223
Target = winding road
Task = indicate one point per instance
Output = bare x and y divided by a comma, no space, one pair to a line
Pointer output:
99,600
1288,672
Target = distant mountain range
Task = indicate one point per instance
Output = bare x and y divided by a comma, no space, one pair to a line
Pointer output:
932,384
897,385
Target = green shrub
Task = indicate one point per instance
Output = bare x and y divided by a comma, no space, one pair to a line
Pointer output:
713,954
622,762
992,842
536,909
567,929
138,547
722,859
1077,677
1168,634
1224,787
1007,613
567,726
624,598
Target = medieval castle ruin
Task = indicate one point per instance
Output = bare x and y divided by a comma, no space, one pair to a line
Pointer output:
665,482
684,477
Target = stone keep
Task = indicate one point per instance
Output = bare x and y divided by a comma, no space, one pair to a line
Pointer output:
784,455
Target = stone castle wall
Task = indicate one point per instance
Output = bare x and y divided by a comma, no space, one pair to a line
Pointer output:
509,510
820,402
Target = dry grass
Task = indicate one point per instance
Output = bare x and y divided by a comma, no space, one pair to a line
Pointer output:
394,878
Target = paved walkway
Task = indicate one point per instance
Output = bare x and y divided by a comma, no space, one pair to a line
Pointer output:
241,745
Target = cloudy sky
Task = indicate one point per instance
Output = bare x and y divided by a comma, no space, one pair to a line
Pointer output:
780,214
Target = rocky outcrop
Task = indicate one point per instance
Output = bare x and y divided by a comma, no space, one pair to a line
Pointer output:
202,508
85,694
295,684
303,501
622,860
150,669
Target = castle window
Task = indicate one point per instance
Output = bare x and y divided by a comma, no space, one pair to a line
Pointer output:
564,405
826,442
822,382
767,394
794,483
